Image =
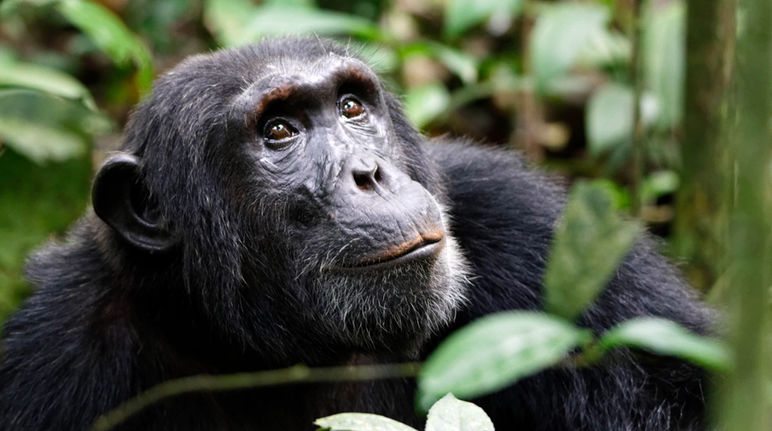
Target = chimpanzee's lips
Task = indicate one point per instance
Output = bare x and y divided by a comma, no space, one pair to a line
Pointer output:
422,246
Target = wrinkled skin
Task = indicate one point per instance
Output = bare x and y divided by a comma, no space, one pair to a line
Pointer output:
271,205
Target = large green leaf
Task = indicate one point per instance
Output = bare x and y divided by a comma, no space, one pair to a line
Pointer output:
666,337
360,422
609,120
423,104
276,20
45,79
494,352
463,14
236,22
109,33
589,244
458,62
45,127
228,19
664,51
561,34
452,414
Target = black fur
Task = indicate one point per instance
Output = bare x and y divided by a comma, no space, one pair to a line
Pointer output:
109,320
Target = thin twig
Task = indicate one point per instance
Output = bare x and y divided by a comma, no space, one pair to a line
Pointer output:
228,382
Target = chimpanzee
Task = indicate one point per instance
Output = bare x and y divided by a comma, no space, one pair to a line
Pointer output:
271,205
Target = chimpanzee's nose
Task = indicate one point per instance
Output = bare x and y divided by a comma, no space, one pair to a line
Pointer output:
368,175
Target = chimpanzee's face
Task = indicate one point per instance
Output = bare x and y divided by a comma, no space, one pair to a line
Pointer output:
364,245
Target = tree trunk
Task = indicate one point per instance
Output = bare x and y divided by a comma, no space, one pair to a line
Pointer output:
709,51
745,397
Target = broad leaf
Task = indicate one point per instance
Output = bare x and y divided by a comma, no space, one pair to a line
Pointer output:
494,352
423,104
360,422
610,117
44,127
109,33
561,34
276,20
227,20
664,51
658,184
45,79
666,337
589,245
452,414
458,62
460,15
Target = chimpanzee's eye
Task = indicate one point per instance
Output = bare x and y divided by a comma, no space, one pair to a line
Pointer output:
351,108
278,130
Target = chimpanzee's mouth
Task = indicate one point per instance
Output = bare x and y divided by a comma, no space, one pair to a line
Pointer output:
423,246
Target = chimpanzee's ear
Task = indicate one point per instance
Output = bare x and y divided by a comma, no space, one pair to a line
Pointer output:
121,200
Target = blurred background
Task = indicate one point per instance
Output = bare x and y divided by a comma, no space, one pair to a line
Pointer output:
552,79
666,103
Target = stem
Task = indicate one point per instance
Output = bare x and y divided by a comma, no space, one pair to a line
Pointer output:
228,382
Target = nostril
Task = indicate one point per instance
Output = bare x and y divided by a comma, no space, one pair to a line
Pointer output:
377,175
364,181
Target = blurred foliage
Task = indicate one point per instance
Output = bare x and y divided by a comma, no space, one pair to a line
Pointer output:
551,78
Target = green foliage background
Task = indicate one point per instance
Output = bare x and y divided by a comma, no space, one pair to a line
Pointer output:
586,89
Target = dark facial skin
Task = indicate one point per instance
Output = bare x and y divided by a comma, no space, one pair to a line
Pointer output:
361,239
322,139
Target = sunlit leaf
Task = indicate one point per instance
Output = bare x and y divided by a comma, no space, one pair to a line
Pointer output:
452,414
590,242
276,20
44,127
610,116
605,47
494,352
360,422
423,104
227,20
658,184
561,33
109,33
666,337
460,15
460,63
46,79
663,59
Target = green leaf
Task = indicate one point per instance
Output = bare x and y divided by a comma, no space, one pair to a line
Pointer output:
664,51
44,127
227,20
610,117
561,34
605,47
46,79
423,104
494,352
658,184
452,414
665,337
590,242
460,15
277,20
460,63
360,422
109,33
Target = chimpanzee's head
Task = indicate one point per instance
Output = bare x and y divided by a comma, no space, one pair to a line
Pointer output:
293,194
